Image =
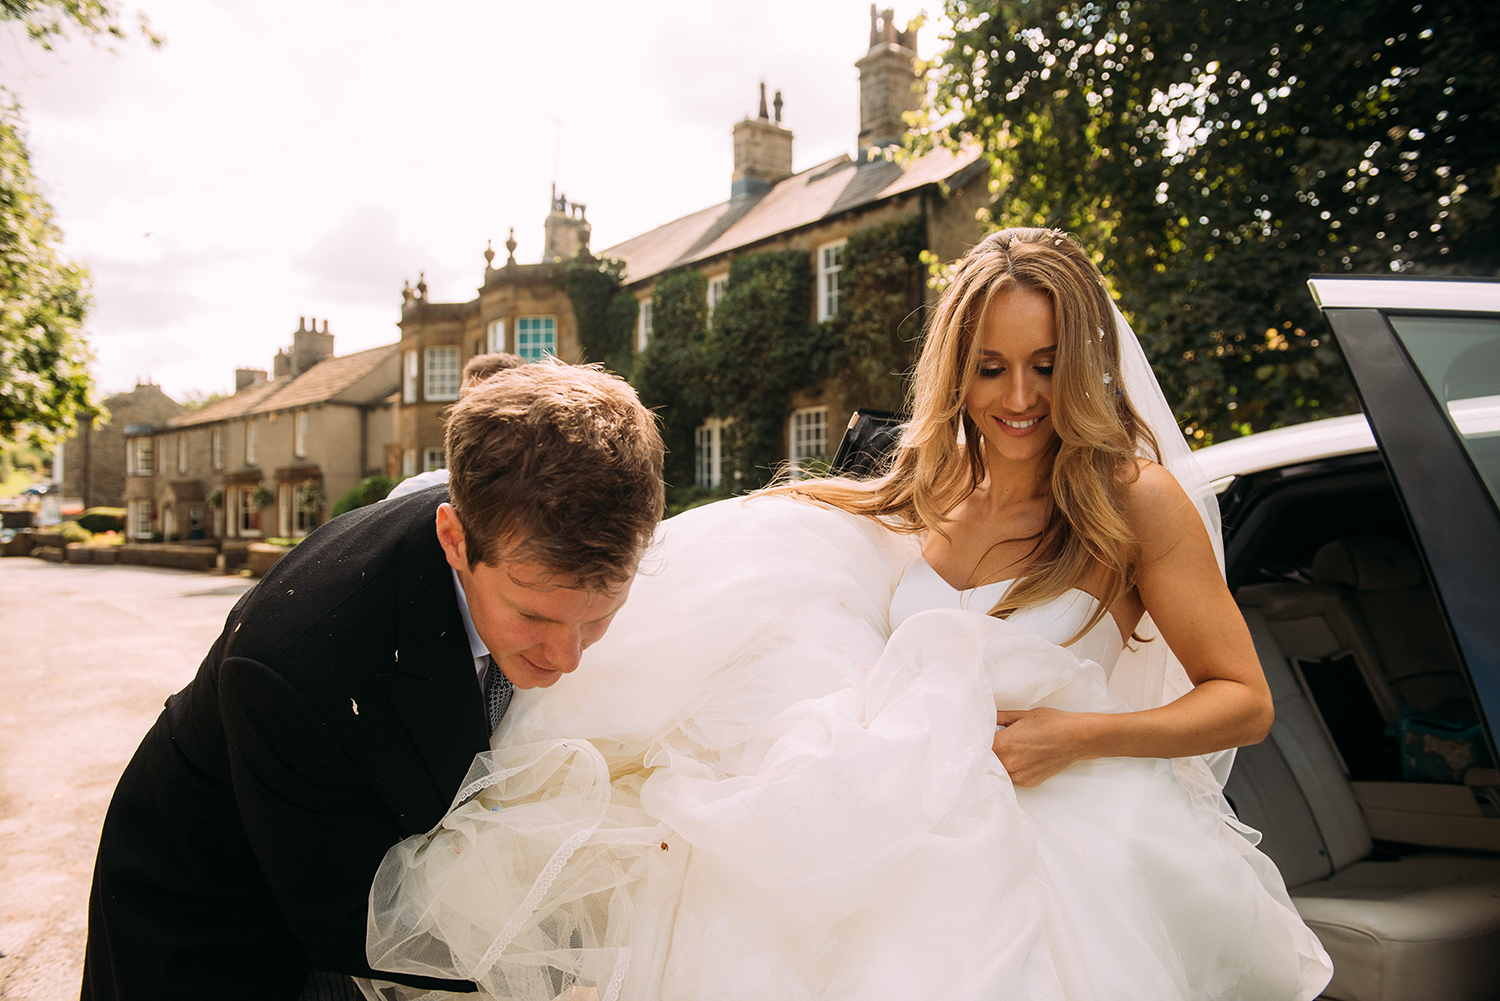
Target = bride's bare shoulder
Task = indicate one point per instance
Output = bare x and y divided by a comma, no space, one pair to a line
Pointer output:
1157,507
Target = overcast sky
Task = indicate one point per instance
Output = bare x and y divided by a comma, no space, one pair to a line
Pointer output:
277,160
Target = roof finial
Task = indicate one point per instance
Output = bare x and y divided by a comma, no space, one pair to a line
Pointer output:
510,246
407,295
489,254
422,285
777,104
764,115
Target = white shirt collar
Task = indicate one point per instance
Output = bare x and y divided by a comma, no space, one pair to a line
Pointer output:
476,645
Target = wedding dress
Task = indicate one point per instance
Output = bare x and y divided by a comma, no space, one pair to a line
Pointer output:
773,779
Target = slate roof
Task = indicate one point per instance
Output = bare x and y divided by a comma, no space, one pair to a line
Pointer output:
822,192
319,384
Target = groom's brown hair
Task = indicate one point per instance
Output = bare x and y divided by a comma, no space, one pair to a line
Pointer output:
559,465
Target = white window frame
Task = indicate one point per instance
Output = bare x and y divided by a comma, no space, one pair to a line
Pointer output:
247,519
252,443
217,448
445,367
494,342
140,456
299,434
181,452
409,374
708,453
643,324
140,519
409,462
527,345
830,279
434,458
284,511
718,285
807,438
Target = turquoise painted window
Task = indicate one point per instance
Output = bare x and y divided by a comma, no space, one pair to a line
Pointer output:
536,337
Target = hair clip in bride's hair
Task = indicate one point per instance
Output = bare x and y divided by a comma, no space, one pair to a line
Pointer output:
1013,241
1119,390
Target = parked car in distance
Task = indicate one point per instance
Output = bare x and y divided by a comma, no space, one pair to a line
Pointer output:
1364,552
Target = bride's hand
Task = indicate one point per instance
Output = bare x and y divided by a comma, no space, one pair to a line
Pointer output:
1036,744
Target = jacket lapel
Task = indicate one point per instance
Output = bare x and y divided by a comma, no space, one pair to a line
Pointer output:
432,686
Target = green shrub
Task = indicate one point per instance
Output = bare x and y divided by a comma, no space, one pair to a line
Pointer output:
74,532
103,519
282,542
370,490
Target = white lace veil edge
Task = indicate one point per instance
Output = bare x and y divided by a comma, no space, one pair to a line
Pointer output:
1148,674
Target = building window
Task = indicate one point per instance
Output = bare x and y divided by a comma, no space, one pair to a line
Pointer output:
716,289
181,452
830,280
536,337
495,337
409,379
218,447
249,517
140,457
434,458
443,369
409,462
299,434
252,442
643,325
140,519
809,438
709,453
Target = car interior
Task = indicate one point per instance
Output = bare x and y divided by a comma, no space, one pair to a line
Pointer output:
1377,792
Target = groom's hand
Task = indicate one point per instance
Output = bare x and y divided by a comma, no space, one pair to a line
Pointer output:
1036,744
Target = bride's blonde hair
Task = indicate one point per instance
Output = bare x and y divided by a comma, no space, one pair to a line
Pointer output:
940,458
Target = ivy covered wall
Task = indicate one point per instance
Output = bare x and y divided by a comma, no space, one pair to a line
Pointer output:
669,374
877,333
606,313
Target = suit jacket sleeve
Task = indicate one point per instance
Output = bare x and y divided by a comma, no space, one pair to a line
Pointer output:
317,829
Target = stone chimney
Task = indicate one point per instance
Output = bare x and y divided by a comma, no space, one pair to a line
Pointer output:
281,365
762,151
887,83
244,378
309,346
567,229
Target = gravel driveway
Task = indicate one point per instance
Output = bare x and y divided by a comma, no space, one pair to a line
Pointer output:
87,656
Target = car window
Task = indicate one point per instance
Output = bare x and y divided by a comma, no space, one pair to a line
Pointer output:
1459,358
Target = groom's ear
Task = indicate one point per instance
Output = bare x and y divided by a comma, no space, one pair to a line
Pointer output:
450,533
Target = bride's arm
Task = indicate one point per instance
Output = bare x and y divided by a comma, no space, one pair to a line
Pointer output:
1182,589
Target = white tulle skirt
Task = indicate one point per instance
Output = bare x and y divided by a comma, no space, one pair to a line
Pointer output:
750,790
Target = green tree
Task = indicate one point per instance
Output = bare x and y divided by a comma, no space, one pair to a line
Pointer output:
760,349
1213,155
605,312
44,381
669,374
878,329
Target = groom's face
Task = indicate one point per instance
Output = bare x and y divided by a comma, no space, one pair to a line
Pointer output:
535,629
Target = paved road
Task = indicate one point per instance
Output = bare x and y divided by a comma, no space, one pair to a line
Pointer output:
87,655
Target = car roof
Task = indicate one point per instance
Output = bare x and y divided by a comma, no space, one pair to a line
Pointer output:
1448,295
1285,447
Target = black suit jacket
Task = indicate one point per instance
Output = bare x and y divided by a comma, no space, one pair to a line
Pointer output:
336,714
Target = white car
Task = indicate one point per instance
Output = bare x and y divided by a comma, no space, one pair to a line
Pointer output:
1365,554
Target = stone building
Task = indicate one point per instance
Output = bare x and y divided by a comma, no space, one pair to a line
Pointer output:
93,457
522,309
270,460
773,207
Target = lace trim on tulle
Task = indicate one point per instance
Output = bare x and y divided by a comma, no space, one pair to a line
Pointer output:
617,979
533,899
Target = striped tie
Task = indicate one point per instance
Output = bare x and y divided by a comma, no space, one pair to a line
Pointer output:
500,692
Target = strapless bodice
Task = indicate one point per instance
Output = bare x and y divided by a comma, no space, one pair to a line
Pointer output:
921,589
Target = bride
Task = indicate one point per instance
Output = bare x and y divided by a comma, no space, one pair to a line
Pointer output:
804,764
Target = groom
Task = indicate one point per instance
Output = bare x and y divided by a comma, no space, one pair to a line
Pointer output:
350,690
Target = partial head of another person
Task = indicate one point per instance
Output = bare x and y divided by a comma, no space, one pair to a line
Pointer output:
479,368
556,491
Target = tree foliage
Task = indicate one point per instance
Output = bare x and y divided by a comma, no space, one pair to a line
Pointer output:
760,349
669,374
44,379
877,331
1213,155
46,20
605,312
